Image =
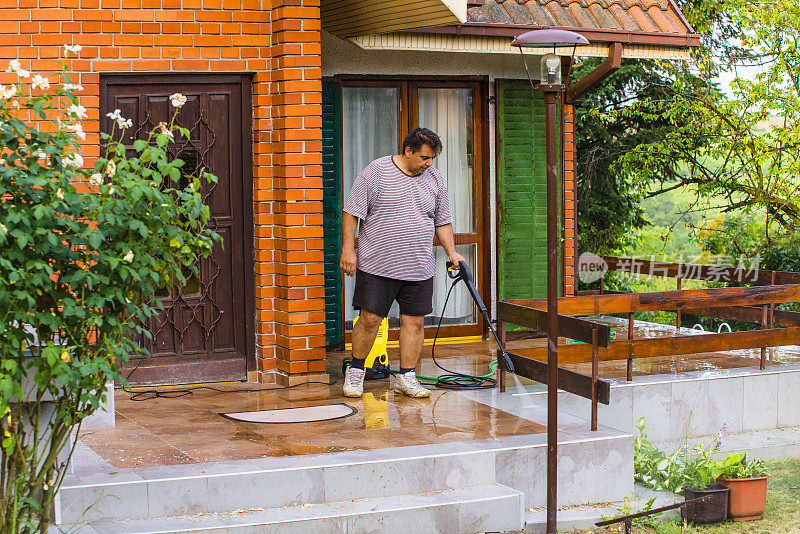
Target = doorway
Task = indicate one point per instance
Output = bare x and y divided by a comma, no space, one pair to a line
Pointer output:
206,329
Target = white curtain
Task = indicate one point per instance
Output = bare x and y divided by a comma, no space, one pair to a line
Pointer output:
448,112
370,129
370,124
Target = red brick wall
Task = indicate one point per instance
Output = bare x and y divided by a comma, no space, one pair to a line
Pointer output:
276,40
297,346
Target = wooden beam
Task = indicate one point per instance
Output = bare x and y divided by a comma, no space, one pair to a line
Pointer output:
709,273
669,300
749,314
571,327
670,346
585,84
568,380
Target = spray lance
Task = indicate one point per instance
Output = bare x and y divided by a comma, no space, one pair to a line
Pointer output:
463,273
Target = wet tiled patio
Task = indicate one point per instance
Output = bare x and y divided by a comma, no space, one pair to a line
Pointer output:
189,429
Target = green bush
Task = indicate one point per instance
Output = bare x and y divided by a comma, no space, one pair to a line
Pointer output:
79,272
696,467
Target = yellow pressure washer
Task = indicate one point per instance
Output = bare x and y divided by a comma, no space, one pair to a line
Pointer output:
376,364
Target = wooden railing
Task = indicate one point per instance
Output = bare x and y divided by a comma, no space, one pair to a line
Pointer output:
754,304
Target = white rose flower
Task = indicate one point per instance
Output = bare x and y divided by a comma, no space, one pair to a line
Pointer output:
8,92
78,130
40,82
76,110
76,160
96,179
75,87
60,193
122,122
177,99
74,49
162,128
111,168
111,190
14,65
128,256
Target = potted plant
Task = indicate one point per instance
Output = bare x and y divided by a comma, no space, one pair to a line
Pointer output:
747,480
701,475
694,475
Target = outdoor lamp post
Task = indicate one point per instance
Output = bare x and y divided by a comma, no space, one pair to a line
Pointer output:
550,87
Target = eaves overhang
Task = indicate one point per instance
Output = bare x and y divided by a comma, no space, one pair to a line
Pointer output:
351,18
592,34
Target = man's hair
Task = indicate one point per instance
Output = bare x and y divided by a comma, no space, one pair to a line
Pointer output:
422,136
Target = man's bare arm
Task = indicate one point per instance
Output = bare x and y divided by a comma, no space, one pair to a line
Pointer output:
445,235
348,261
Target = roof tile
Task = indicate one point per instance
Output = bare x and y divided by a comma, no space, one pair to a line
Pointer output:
518,13
630,15
562,17
497,13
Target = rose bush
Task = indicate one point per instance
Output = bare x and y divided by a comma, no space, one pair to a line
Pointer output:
82,254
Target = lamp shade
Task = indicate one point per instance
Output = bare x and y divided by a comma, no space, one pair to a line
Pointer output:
549,38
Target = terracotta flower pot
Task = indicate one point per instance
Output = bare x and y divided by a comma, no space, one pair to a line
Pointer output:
748,497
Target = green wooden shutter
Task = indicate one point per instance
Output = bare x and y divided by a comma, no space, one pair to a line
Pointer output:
522,190
332,208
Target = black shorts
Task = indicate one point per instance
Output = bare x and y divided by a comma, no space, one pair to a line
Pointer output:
376,294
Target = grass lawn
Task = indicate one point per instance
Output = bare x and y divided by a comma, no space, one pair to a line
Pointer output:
782,514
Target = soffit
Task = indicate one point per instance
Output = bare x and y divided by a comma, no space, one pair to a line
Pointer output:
348,18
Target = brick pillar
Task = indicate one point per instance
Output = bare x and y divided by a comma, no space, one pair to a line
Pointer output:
296,139
569,200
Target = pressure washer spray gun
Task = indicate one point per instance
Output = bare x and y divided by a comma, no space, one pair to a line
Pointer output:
463,273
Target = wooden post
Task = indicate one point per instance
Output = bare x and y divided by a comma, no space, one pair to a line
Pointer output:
629,373
772,306
602,283
501,370
678,313
764,324
594,378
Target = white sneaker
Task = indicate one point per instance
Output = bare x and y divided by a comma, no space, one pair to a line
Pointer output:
353,382
407,384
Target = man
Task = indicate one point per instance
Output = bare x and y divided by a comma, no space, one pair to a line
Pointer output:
402,202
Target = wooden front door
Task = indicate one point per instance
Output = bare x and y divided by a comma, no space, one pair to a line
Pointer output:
205,332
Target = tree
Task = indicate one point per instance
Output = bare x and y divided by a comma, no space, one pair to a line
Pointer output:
741,148
607,129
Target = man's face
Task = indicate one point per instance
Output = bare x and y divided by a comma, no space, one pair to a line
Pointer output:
419,161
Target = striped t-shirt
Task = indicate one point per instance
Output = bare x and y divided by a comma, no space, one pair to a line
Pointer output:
398,215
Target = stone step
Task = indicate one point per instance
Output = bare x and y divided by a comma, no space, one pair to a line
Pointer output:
271,482
485,508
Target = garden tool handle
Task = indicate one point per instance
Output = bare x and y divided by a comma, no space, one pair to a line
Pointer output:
466,275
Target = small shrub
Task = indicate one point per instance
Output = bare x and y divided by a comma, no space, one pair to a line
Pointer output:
83,254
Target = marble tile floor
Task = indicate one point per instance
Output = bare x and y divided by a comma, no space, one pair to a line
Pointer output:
187,430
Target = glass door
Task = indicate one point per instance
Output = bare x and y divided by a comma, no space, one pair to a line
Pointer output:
371,129
376,116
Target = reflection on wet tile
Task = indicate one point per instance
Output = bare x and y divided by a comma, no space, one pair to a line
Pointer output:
189,429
